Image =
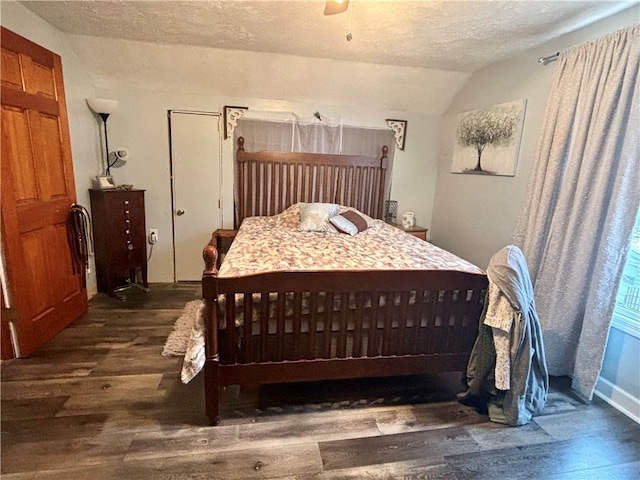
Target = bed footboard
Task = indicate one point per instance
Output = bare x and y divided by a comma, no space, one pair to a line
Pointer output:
307,326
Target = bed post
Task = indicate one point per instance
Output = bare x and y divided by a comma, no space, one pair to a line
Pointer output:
240,211
212,357
212,389
384,164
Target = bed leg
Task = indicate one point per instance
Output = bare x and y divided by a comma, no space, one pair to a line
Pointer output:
212,390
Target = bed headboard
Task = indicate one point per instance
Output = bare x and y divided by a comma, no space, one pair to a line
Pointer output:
270,182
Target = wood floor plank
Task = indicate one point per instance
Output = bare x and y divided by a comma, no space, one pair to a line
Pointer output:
20,476
128,318
598,418
312,427
177,442
56,356
430,445
491,435
626,471
47,371
579,454
428,417
31,408
284,431
143,471
125,386
398,420
300,460
48,429
83,337
560,402
409,470
137,360
34,456
132,403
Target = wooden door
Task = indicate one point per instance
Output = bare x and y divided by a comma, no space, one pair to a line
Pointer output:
195,162
37,193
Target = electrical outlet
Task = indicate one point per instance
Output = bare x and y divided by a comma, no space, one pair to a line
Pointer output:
153,235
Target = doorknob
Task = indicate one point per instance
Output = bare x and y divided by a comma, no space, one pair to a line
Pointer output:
180,212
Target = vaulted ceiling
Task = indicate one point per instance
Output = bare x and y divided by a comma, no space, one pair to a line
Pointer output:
453,35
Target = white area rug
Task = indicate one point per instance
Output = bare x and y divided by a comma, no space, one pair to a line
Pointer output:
177,340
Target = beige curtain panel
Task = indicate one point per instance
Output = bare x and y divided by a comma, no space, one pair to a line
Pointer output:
581,201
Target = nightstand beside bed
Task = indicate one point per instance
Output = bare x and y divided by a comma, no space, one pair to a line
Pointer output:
416,231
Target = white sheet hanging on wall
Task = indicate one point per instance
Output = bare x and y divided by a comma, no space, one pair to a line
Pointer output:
286,132
317,134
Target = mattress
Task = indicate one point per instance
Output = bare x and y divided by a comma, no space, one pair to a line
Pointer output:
269,244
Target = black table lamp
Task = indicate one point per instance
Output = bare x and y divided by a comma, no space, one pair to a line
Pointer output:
104,108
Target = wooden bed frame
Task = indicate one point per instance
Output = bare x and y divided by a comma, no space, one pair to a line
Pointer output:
386,323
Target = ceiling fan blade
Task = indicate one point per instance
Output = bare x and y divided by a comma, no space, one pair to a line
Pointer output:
332,7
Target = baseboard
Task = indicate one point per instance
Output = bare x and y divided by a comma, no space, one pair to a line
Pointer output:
618,399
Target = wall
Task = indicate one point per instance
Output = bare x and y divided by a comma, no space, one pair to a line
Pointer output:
78,87
148,79
619,382
475,216
193,78
140,123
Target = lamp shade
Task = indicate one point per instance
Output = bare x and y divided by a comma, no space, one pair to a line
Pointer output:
102,105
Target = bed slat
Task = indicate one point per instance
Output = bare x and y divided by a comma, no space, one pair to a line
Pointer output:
328,324
247,344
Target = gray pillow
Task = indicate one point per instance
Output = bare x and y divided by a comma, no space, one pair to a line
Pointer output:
349,222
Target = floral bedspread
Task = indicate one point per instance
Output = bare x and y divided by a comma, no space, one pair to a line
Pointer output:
267,244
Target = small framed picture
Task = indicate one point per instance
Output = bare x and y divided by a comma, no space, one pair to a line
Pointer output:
104,182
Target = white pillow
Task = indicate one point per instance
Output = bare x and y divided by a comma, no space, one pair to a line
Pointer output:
314,217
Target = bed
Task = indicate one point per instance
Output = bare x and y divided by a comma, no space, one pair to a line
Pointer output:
273,312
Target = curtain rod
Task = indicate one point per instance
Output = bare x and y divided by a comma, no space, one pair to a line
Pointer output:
548,58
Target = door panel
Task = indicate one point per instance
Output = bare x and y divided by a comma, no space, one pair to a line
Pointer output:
11,76
40,79
195,157
37,193
51,178
33,254
15,129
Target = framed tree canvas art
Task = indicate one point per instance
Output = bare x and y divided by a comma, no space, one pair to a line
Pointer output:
488,140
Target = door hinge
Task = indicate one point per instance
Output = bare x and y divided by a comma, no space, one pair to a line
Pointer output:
9,314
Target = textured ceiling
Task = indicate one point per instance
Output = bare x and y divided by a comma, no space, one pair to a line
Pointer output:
450,35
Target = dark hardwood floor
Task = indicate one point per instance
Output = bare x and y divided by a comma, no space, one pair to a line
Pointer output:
100,402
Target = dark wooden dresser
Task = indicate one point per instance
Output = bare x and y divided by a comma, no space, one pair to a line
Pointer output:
119,236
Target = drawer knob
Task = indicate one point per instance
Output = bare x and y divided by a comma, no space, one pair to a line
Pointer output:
180,212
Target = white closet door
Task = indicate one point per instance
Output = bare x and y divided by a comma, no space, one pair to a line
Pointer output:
196,165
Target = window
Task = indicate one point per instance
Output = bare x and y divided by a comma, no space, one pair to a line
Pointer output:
626,314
